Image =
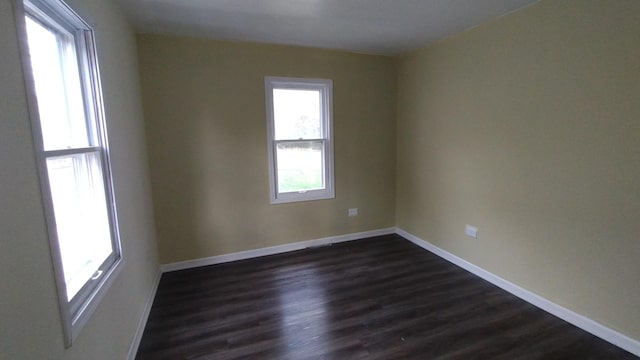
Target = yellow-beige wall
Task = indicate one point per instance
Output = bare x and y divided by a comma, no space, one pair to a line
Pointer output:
204,103
528,127
30,326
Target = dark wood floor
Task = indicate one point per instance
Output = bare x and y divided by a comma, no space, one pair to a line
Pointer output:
378,298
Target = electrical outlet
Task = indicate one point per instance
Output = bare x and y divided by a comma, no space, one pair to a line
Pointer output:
471,231
353,212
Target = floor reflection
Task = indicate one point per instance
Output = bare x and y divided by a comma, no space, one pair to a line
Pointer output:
304,311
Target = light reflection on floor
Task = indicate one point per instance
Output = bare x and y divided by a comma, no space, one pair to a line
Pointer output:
304,313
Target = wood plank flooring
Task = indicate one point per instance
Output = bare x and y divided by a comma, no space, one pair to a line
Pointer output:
377,298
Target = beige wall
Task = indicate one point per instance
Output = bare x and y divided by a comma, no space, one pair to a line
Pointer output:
529,128
30,325
205,116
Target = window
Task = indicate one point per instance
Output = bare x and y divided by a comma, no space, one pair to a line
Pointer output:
71,146
299,113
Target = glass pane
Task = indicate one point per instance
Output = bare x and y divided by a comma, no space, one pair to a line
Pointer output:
300,166
82,220
58,89
296,114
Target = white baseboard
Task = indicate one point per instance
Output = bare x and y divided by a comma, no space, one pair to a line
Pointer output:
272,250
135,343
595,328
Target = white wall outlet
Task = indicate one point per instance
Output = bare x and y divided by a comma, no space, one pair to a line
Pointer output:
471,231
353,212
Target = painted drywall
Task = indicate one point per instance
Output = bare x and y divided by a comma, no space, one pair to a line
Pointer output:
30,326
528,127
204,104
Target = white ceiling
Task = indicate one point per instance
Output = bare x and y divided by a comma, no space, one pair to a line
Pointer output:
390,27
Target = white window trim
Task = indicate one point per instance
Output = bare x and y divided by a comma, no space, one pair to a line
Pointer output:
71,324
325,86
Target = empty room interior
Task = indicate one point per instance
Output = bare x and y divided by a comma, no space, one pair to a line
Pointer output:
320,179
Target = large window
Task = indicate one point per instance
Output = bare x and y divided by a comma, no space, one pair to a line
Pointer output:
299,113
71,145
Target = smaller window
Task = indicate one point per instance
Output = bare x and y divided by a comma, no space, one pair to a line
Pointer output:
299,113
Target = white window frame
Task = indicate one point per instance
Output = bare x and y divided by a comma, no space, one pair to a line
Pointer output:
76,312
325,87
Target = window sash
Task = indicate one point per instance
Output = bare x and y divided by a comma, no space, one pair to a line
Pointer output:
87,198
60,102
283,112
308,162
